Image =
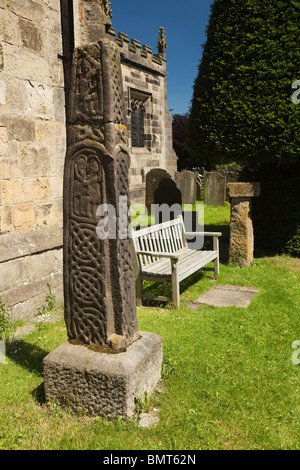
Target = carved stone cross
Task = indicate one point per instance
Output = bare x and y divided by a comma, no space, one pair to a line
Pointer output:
99,292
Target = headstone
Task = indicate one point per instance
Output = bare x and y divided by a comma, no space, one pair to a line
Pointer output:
231,176
198,188
153,179
241,245
167,201
187,183
214,189
107,361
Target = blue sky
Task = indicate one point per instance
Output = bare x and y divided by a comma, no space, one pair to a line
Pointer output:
185,24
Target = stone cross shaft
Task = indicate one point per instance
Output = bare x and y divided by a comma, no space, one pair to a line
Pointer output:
241,246
99,292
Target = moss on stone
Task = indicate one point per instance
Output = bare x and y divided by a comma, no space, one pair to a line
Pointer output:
97,347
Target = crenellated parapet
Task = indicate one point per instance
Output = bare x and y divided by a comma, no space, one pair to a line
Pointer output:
136,53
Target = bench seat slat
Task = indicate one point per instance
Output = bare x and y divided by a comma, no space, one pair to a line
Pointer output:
187,264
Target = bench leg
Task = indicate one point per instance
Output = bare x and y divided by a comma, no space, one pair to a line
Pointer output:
216,261
216,267
175,283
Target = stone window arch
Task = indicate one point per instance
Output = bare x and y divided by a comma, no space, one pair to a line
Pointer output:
138,111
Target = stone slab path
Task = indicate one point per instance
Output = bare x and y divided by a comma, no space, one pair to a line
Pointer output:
226,296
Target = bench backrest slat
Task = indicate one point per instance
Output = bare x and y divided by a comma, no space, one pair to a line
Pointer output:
166,237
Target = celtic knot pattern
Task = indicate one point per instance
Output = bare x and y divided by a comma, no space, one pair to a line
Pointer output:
98,274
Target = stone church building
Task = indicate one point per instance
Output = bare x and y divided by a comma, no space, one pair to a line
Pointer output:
37,38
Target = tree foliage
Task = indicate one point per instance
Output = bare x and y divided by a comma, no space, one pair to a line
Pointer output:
180,135
241,108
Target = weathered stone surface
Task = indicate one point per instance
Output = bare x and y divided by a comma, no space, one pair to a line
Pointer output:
16,191
1,58
2,92
187,184
243,189
241,243
24,270
19,128
30,9
18,244
228,295
49,213
103,384
148,420
24,65
5,219
23,216
214,189
31,35
39,100
90,21
36,290
9,168
98,272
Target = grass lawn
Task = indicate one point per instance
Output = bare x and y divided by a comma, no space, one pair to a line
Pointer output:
228,377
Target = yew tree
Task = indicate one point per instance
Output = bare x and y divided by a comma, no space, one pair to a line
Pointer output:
242,109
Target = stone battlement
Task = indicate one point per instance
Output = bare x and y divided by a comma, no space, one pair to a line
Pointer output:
135,52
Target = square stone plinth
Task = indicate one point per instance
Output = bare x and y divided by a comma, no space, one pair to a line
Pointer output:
102,384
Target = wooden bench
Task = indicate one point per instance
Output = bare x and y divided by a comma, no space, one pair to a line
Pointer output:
163,256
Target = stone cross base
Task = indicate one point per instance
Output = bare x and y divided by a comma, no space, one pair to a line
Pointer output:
101,384
241,246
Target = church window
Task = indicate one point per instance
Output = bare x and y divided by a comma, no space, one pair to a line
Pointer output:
137,122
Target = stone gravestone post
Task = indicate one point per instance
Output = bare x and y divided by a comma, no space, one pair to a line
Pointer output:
107,361
153,179
167,201
214,189
241,245
187,183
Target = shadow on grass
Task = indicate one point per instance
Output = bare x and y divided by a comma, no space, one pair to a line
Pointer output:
165,289
30,357
27,355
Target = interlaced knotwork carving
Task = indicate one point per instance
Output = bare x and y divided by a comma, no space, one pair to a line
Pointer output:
98,273
87,96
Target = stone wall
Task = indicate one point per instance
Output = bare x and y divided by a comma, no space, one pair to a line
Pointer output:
144,74
32,150
34,75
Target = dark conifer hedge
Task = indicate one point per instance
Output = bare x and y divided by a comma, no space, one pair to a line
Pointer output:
242,110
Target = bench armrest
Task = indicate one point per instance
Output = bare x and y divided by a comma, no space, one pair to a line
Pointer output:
158,254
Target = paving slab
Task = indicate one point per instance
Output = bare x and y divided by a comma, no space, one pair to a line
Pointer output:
228,295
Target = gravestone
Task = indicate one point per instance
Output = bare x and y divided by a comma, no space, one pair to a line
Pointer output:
106,361
153,179
231,176
187,183
167,201
198,187
214,189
